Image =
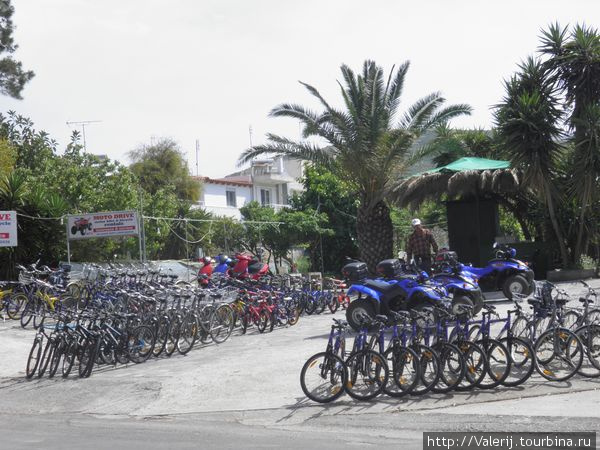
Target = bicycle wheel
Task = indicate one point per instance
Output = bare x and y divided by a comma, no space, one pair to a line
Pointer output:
521,328
498,363
404,370
173,336
56,357
221,324
559,354
476,365
541,324
15,304
367,374
589,335
429,369
264,320
188,334
162,333
69,358
87,357
571,319
46,357
521,357
140,343
29,311
452,367
332,303
323,377
293,315
593,316
34,357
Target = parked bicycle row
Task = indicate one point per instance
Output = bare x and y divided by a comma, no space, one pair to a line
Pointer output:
118,317
443,348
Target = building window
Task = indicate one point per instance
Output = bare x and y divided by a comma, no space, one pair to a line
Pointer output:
231,201
265,197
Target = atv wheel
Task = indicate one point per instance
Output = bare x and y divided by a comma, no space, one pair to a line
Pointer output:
460,299
358,308
73,229
515,284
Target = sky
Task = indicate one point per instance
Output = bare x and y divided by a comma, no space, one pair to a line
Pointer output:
208,70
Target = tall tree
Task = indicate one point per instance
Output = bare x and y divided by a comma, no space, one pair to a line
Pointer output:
12,75
161,164
528,121
330,195
574,63
369,143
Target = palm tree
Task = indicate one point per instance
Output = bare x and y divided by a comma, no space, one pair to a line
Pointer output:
574,65
368,143
529,124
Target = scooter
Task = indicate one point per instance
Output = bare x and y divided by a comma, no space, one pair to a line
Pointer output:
504,273
393,292
205,272
223,264
248,266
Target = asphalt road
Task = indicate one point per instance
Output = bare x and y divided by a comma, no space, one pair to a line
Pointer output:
245,393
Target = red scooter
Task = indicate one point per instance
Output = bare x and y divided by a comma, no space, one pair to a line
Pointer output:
205,271
248,266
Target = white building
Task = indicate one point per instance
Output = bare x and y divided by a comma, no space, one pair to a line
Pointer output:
270,182
225,197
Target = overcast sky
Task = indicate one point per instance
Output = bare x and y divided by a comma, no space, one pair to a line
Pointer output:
207,70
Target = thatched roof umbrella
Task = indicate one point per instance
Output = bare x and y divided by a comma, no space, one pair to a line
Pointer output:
464,177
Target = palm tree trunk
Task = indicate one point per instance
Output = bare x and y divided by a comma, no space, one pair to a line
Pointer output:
561,242
375,234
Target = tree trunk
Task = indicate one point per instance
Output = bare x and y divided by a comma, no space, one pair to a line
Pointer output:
375,234
561,242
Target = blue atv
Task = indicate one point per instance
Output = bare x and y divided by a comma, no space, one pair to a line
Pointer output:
452,275
504,273
394,291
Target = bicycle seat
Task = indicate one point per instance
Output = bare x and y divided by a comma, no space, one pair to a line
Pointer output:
489,307
585,300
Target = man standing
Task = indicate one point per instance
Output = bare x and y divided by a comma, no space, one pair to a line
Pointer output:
418,244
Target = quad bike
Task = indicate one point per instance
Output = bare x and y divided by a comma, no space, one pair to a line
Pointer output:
82,225
504,273
394,292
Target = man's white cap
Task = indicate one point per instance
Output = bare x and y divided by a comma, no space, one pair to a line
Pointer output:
416,222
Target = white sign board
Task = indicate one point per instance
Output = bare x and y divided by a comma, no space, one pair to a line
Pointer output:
102,224
8,228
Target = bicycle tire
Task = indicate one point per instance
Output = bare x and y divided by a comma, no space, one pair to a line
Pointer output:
361,373
498,363
589,335
399,359
561,340
429,368
221,324
46,356
187,335
522,365
333,373
33,359
69,358
140,343
452,367
476,365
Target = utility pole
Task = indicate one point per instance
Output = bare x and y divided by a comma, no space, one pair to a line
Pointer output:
83,123
250,134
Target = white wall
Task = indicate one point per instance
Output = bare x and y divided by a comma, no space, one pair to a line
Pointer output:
214,199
